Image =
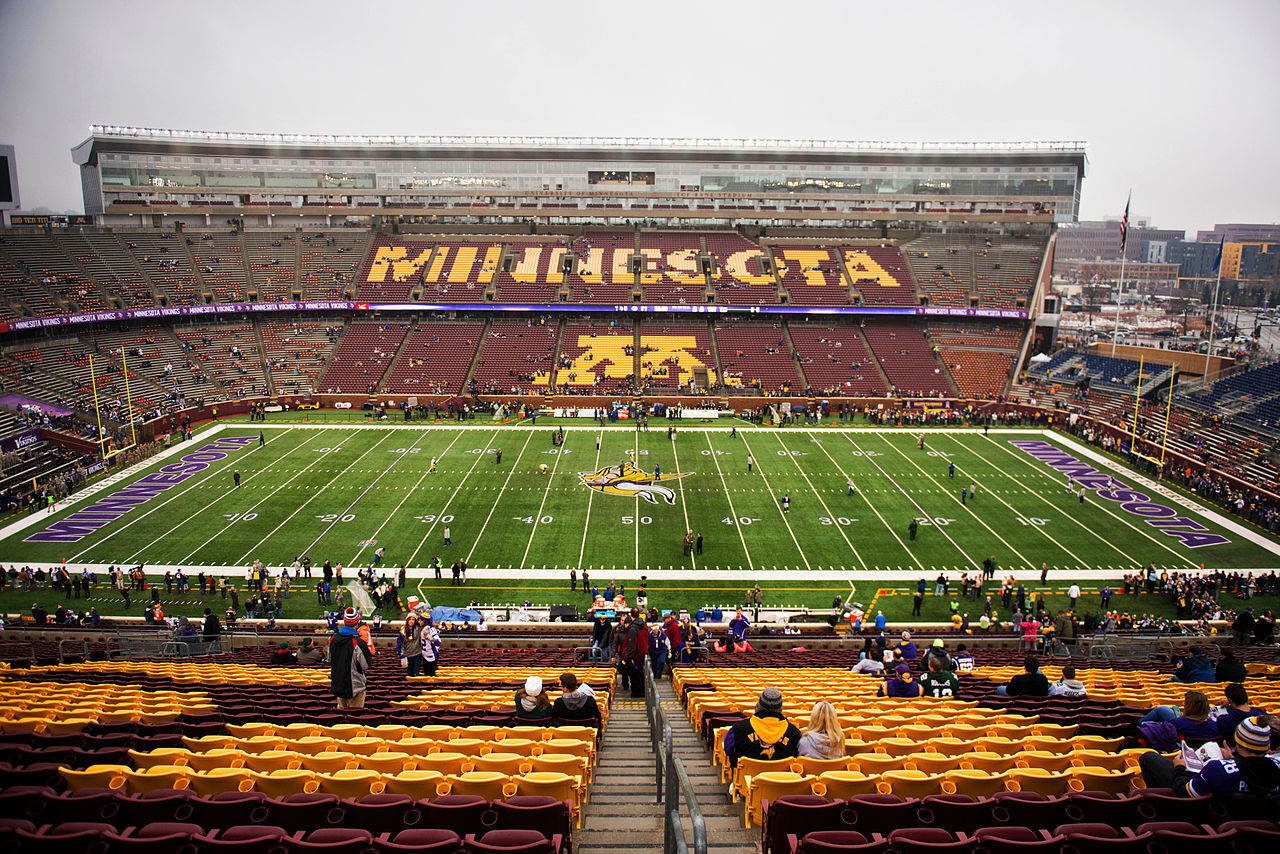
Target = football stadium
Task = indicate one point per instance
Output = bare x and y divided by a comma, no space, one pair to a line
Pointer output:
556,493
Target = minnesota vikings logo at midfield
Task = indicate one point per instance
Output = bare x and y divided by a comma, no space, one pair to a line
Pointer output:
631,481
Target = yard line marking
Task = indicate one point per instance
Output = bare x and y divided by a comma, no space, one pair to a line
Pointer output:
777,507
586,521
1040,495
816,494
210,473
732,512
683,507
542,505
923,514
501,492
318,435
1018,513
479,457
1187,560
407,493
320,492
948,493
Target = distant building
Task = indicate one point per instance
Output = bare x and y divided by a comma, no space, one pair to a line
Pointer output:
1239,233
1099,240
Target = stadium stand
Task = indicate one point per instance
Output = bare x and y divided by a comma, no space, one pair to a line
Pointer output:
531,273
671,272
434,359
737,276
907,358
835,359
105,259
220,260
596,357
165,261
810,274
273,264
757,356
392,269
980,358
880,276
674,355
602,273
363,356
328,261
229,354
297,352
516,356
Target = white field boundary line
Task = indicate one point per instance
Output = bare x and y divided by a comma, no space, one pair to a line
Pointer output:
396,509
1080,564
1165,492
226,493
1134,563
209,474
498,500
107,482
949,494
591,493
848,477
318,493
700,428
480,457
916,504
777,506
732,512
546,490
818,495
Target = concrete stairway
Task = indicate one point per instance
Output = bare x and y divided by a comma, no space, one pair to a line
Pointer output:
622,813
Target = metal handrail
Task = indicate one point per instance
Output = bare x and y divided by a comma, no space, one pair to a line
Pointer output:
669,768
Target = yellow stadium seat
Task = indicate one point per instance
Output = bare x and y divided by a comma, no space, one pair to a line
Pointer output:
257,743
251,729
1095,779
217,758
160,756
562,787
909,784
309,744
272,760
435,732
978,784
329,762
210,742
1048,783
809,765
582,733
875,732
484,732
1102,759
476,747
1001,745
1095,742
562,763
584,749
931,763
1013,733
95,777
57,725
446,762
489,785
968,732
897,746
749,767
1047,744
281,784
1044,760
299,730
388,762
156,777
413,745
218,780
350,783
342,731
388,732
360,746
1063,731
503,763
992,763
839,785
877,763
771,785
951,746
417,784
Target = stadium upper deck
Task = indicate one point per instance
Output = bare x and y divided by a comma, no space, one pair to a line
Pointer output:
139,176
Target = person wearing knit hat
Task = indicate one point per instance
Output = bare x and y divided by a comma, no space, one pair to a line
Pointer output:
532,702
1246,770
350,657
901,685
283,655
767,734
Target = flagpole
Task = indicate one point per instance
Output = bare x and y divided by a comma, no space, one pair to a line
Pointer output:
1124,253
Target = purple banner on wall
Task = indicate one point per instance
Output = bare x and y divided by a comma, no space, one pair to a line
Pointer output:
194,311
18,441
17,401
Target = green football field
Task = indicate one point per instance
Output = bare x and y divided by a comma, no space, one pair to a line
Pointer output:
338,491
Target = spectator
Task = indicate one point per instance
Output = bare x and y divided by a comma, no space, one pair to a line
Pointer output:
350,657
907,648
532,702
738,625
1032,683
430,646
1195,668
1237,708
939,683
1192,724
1247,769
577,702
409,645
824,739
872,664
901,685
601,639
963,659
1242,627
310,652
764,735
1068,685
282,655
212,629
1229,669
938,649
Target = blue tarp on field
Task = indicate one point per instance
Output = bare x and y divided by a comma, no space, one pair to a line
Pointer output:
442,614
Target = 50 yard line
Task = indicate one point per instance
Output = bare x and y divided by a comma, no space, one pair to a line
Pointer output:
586,519
542,504
483,453
501,492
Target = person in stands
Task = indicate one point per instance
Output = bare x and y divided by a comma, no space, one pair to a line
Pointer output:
764,735
1246,769
282,655
1031,683
1068,685
310,652
939,683
350,657
873,663
1195,668
823,739
901,685
1191,723
532,702
577,701
1237,707
1230,668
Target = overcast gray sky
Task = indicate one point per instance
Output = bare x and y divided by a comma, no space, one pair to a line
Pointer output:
1178,100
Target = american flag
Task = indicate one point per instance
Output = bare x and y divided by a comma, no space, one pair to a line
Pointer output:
1124,225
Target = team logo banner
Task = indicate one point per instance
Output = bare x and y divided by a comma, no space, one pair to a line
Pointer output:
626,479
